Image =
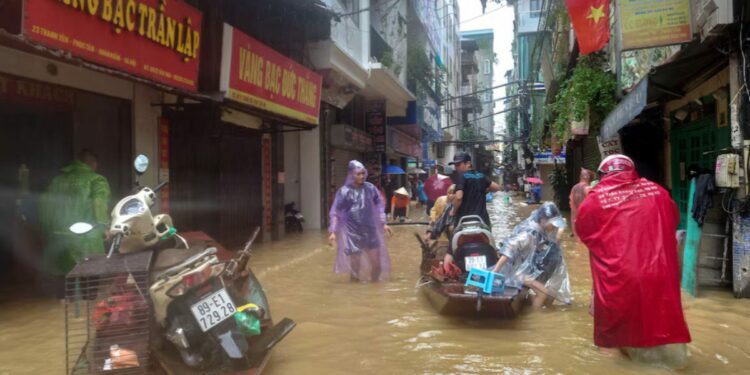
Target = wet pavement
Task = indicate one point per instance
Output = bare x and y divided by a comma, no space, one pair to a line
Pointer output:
390,328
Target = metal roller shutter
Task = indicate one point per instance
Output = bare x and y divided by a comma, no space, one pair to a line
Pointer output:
339,165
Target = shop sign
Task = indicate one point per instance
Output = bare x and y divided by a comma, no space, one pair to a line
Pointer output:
404,144
254,74
609,146
154,39
375,124
548,158
649,23
630,107
347,136
374,167
20,90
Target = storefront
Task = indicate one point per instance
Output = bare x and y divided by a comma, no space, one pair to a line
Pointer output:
227,159
348,143
73,80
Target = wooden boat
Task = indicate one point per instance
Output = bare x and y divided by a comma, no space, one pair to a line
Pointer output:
452,298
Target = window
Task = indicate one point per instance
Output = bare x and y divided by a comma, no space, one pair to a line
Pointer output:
352,6
535,8
487,66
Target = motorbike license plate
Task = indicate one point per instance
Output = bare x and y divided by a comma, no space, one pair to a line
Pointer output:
213,309
476,262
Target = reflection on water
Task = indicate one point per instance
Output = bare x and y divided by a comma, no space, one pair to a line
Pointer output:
388,328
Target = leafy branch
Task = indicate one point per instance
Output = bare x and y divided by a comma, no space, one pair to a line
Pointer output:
589,91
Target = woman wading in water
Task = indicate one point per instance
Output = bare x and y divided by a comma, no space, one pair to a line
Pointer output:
357,228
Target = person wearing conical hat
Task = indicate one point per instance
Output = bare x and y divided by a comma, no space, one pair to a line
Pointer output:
400,204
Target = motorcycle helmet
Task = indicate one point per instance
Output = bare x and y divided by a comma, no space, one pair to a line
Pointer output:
616,163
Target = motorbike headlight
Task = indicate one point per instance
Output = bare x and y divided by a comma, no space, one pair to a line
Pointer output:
132,207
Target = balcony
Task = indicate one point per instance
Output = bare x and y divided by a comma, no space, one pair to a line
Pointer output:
383,84
469,59
344,58
469,100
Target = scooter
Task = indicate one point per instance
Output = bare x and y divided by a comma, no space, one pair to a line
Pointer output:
473,247
293,218
473,244
207,314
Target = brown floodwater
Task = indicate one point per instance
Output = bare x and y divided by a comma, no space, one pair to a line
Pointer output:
390,328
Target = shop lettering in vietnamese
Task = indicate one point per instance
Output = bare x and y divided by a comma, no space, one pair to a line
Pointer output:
147,21
271,77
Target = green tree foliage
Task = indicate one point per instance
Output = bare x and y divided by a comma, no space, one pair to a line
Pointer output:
589,88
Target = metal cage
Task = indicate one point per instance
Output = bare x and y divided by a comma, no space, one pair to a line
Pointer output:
107,315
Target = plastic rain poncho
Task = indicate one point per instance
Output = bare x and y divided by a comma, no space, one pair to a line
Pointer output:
357,218
535,254
629,223
77,195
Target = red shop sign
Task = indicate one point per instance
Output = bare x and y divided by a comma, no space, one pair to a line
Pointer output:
28,91
254,74
153,39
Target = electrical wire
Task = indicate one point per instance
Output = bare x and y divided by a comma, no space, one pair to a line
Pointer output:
742,50
339,15
479,118
478,91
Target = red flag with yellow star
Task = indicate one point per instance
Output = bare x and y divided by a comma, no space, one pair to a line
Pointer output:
590,22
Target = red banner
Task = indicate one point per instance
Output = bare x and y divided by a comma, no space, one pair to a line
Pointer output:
20,90
164,164
153,39
267,186
254,74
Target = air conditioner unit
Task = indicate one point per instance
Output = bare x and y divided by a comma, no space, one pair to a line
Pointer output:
712,16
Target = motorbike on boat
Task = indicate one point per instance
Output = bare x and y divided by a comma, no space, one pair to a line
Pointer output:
473,248
161,302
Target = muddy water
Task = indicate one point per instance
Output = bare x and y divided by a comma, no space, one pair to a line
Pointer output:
389,328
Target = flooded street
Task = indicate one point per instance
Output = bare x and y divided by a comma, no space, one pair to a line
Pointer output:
390,328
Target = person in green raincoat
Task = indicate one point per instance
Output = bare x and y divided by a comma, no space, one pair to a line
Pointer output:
79,194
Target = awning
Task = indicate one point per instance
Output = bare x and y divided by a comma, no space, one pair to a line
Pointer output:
693,64
630,107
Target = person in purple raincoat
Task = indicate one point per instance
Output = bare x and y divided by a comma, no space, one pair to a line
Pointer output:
357,226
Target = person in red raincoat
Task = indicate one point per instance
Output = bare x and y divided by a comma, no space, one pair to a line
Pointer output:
629,223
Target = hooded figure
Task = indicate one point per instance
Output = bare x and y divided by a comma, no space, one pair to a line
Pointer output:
79,194
357,225
532,256
629,223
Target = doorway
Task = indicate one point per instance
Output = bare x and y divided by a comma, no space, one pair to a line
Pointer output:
695,144
215,176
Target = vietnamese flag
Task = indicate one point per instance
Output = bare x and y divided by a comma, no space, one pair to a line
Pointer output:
590,22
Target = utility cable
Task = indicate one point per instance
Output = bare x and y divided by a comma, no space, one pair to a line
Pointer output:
478,91
339,15
479,118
